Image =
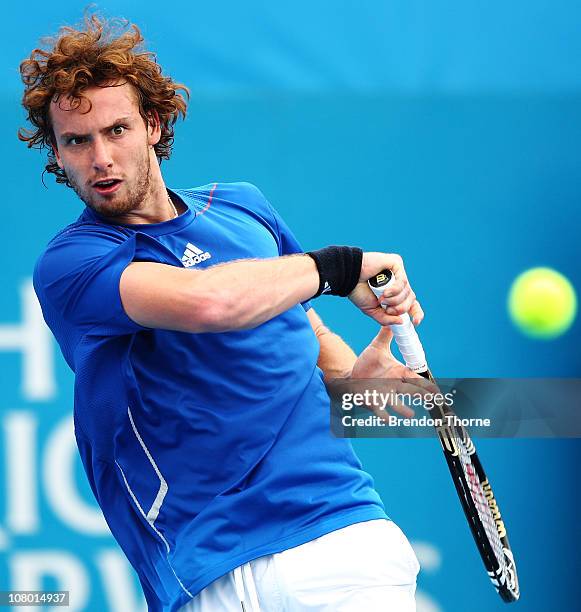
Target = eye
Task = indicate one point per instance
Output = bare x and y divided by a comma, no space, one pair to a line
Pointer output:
76,140
118,130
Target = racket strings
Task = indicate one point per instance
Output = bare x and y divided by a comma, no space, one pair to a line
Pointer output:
481,503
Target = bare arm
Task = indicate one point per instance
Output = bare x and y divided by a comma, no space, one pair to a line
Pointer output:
376,362
336,358
237,295
245,293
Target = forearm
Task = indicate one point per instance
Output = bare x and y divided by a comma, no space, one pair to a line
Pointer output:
245,293
336,358
254,291
235,295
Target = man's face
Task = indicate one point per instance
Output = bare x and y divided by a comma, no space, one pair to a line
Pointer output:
110,143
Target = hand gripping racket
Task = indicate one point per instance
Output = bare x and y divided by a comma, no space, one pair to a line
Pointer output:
472,485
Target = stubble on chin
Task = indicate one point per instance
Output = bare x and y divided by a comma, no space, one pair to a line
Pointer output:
117,206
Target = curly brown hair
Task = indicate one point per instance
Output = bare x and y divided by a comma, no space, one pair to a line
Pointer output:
102,53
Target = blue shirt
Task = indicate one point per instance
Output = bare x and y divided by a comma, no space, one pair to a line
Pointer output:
204,450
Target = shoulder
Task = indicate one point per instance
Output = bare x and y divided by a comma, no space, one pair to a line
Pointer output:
77,245
89,232
241,194
245,192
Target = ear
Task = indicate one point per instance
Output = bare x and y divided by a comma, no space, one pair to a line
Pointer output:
52,138
55,150
153,128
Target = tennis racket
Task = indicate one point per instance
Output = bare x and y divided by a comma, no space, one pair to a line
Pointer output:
472,485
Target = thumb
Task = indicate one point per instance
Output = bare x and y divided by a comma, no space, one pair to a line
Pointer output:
383,338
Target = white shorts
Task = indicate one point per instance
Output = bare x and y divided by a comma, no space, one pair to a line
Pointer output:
366,566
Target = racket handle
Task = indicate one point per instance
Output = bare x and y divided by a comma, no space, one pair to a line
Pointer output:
405,334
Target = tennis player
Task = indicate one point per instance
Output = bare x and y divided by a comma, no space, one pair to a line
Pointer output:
201,412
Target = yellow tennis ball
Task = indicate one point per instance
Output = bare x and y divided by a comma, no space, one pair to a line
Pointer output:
542,303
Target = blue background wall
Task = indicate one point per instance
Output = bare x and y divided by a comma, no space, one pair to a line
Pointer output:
448,132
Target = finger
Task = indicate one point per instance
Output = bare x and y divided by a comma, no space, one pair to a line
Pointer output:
416,313
415,383
396,404
402,375
397,268
397,298
404,306
394,288
403,379
405,411
402,409
400,395
383,318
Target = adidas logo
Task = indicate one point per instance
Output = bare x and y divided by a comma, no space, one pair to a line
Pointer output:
193,255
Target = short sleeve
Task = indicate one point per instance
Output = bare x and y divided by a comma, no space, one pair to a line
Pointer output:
77,280
288,243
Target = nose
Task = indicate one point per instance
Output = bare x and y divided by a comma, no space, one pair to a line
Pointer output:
102,158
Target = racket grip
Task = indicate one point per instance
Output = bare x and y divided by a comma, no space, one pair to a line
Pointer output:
406,337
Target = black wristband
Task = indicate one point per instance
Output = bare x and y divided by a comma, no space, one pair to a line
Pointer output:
339,269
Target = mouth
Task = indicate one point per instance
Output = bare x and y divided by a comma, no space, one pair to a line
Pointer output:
107,186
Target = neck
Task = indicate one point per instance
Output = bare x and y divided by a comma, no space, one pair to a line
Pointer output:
157,205
155,208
